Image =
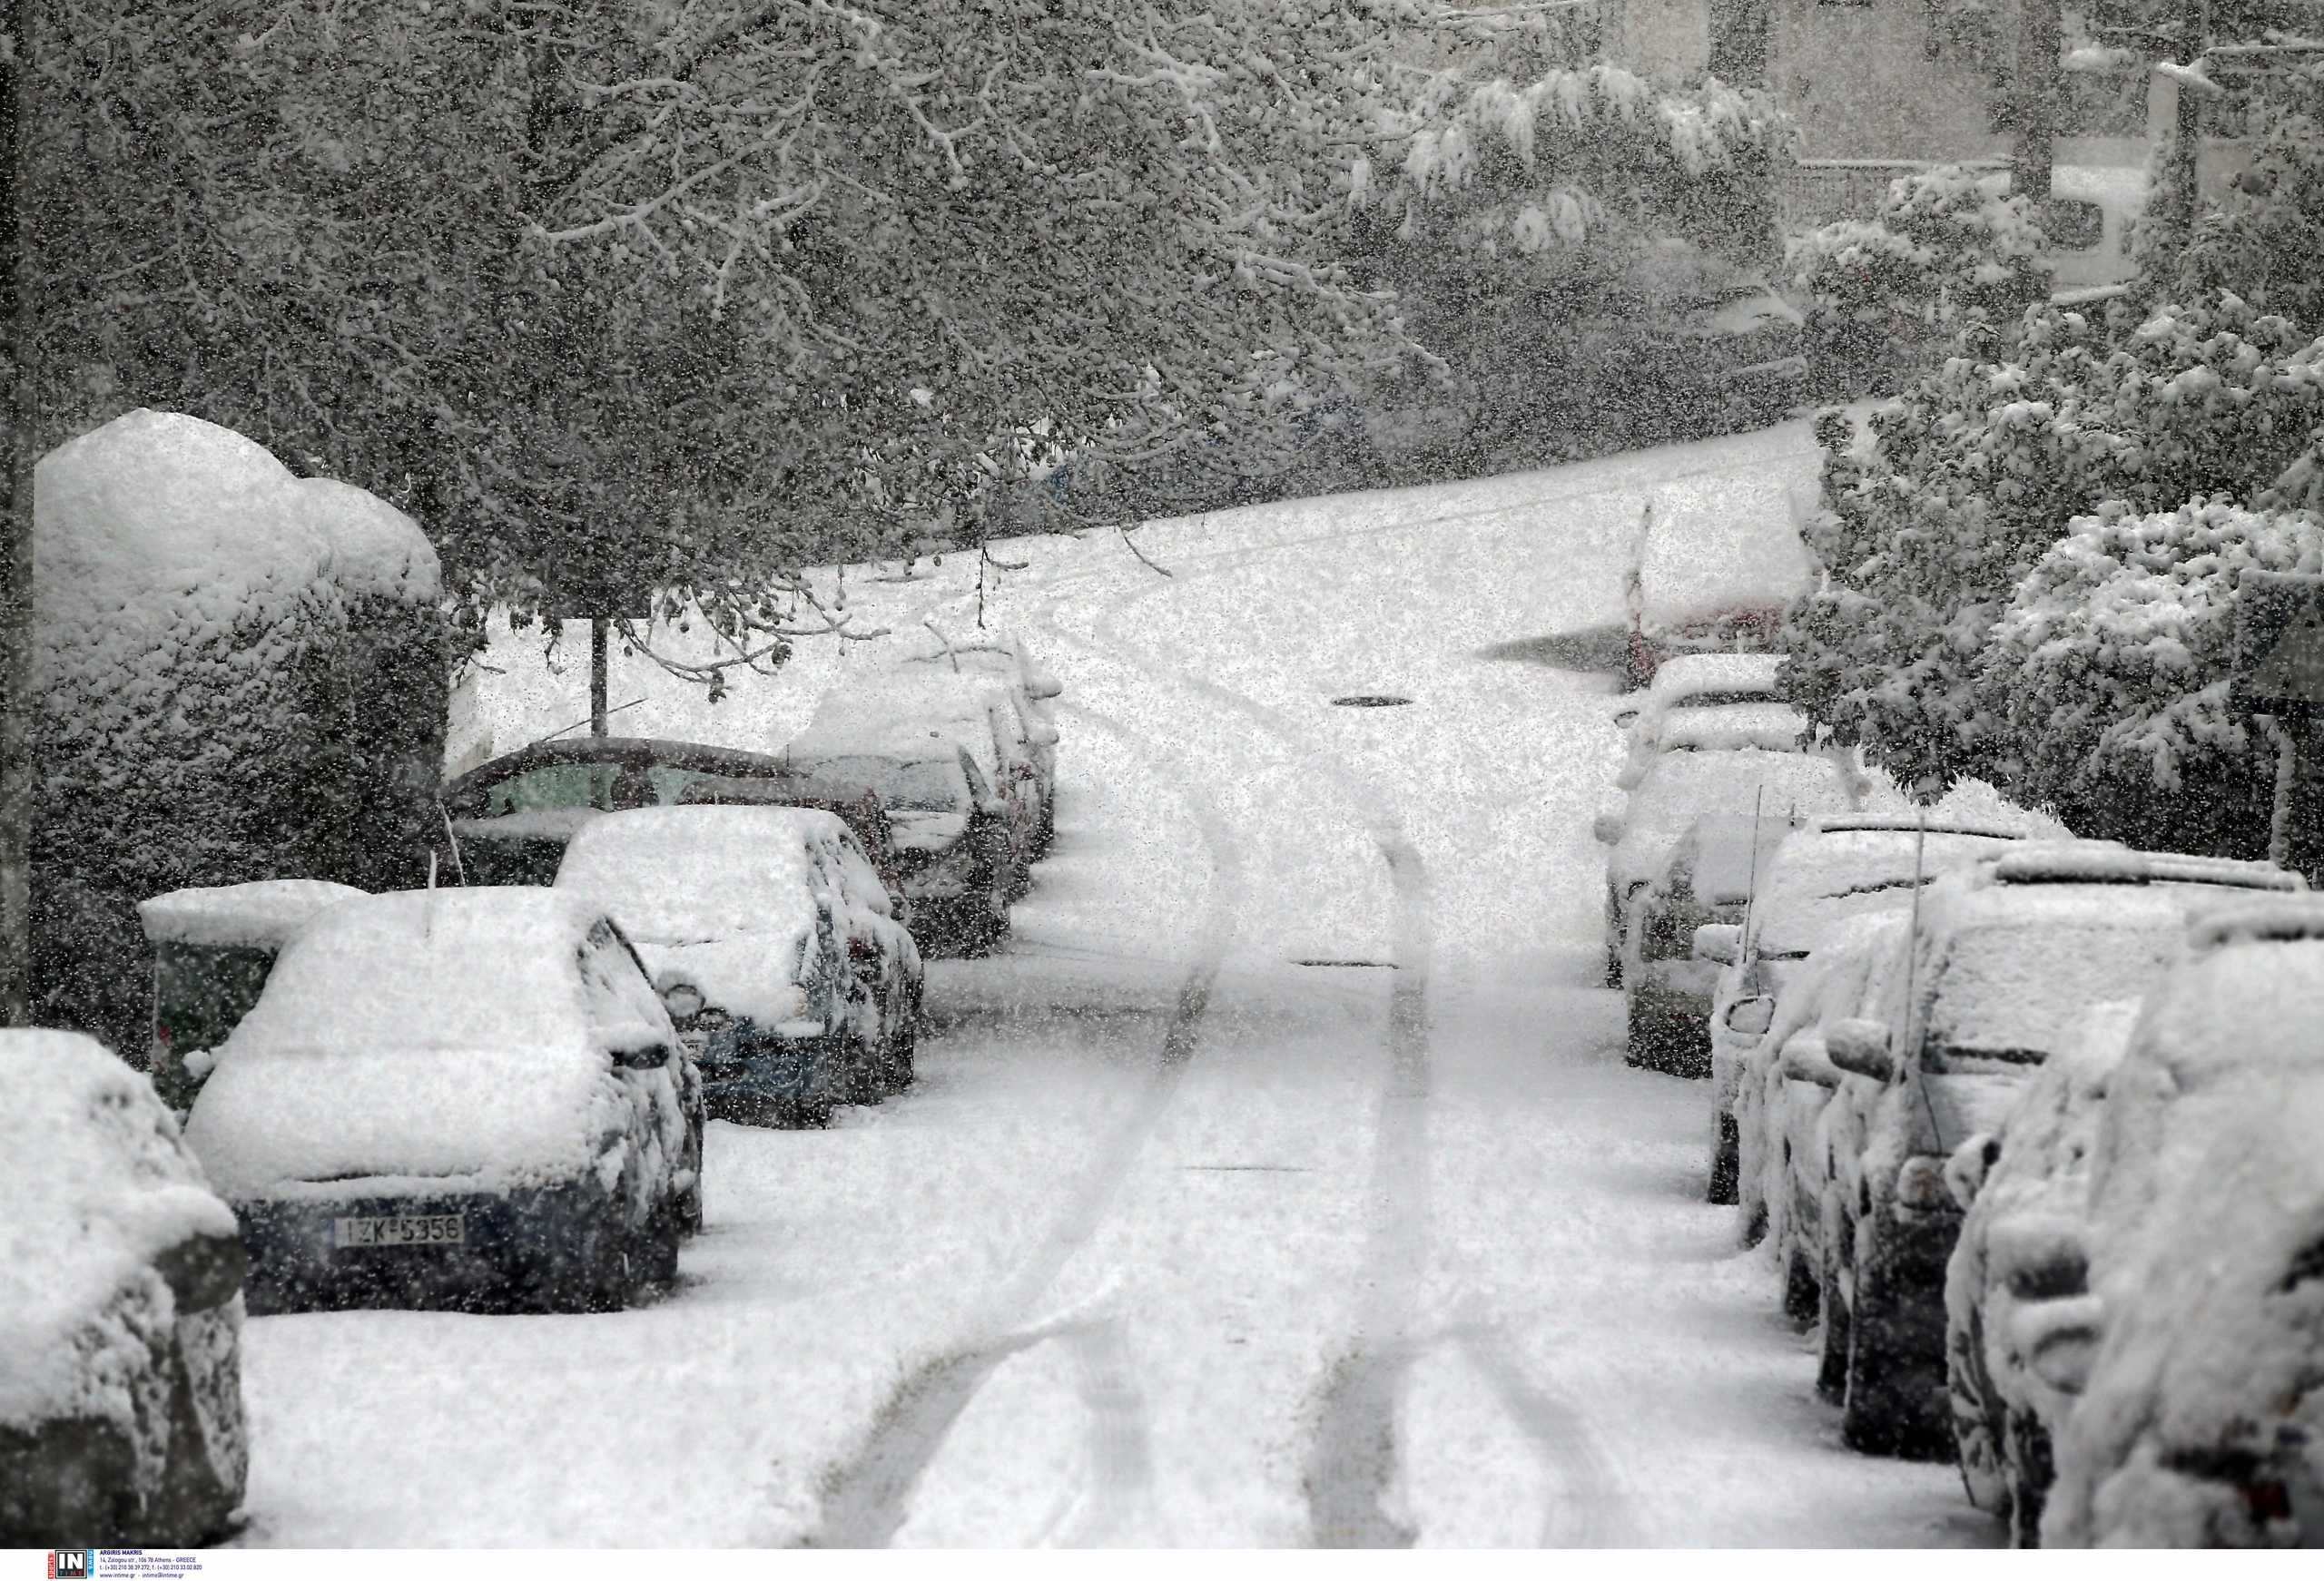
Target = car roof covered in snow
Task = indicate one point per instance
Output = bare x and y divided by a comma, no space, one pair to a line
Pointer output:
2277,917
98,1184
1720,542
2247,1001
629,751
690,875
1842,867
2108,862
261,915
1685,675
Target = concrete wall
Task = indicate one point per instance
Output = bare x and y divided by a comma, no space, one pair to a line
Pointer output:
1860,83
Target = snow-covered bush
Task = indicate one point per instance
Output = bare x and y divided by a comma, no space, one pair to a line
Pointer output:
121,1407
2264,241
2111,670
1955,491
238,675
1947,245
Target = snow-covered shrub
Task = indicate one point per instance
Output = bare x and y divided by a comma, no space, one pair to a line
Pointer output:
2111,670
2265,240
240,676
120,1408
1955,489
1946,246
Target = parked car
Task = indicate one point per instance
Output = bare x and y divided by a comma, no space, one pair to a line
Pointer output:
1706,881
1689,781
120,1311
2019,1267
876,712
1717,561
950,830
766,933
2007,959
1695,726
511,817
452,1096
1004,658
2199,1379
1699,680
212,948
1830,869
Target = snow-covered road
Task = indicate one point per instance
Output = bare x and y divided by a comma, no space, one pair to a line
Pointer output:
1280,1183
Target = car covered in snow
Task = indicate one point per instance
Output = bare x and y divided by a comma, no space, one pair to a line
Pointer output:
1721,773
512,817
949,829
766,932
887,708
1830,869
120,1311
1698,681
212,948
1716,561
1706,881
2007,959
2199,1378
455,1096
860,807
1003,659
2020,1267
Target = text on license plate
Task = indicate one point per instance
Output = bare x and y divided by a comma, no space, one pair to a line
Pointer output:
401,1230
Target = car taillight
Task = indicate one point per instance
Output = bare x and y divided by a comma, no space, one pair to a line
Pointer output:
2266,1500
683,1000
861,950
1920,1186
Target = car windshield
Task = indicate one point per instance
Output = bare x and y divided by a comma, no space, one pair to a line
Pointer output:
923,785
2019,991
553,785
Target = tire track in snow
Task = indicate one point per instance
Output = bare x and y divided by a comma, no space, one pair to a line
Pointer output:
1586,1501
868,1497
1350,1477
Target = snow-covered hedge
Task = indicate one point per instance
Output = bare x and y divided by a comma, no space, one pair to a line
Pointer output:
1955,490
2110,668
1944,247
240,676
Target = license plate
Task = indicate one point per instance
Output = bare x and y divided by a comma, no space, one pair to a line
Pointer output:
402,1229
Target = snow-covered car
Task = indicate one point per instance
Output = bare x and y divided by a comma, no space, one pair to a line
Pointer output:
1697,681
766,933
1003,658
120,1311
2008,958
454,1096
512,817
1778,1107
885,711
1717,560
1833,868
2199,1416
2020,1266
950,830
1706,881
212,948
1687,782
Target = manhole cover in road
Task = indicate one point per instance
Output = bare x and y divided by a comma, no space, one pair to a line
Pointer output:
1320,961
1370,699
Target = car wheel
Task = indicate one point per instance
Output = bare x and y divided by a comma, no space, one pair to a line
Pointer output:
2030,1471
662,1244
865,1081
1885,1405
902,1051
1832,1313
1725,1145
1802,1291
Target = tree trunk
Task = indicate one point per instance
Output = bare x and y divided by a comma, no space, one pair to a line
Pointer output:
2039,85
597,629
18,350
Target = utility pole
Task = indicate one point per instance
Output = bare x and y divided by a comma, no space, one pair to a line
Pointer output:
17,367
2040,87
597,633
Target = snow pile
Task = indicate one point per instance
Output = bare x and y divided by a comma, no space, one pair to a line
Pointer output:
98,1184
724,898
235,681
1724,542
438,1034
261,915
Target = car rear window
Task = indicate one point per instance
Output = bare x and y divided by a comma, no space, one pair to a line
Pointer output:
2022,991
553,785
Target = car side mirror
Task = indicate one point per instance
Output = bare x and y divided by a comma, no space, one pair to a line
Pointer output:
1721,942
1860,1047
2060,1339
1606,828
1751,1018
652,1056
1798,1066
1626,716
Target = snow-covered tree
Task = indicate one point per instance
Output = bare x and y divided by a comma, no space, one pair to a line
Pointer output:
2111,666
1956,490
1946,246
